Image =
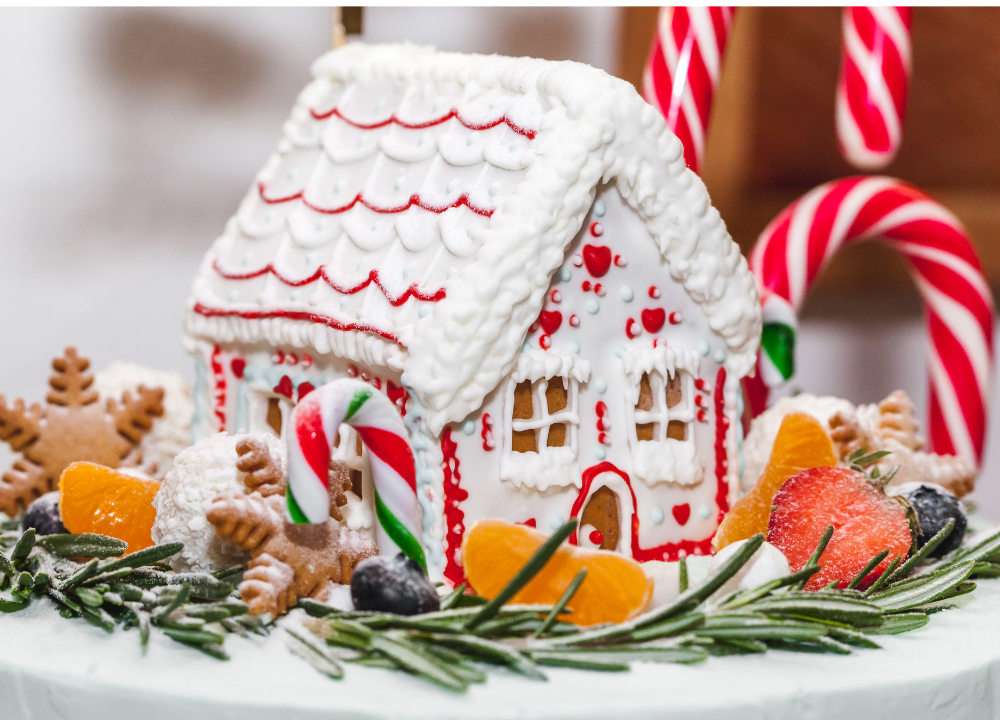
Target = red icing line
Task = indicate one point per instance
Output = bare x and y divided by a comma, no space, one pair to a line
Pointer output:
293,315
487,433
721,457
414,199
530,134
219,374
454,518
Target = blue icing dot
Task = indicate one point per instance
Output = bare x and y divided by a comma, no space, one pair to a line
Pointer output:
600,453
525,346
233,296
656,514
720,356
599,208
627,294
556,521
593,306
742,463
703,349
704,511
574,346
565,275
619,351
601,385
423,312
469,427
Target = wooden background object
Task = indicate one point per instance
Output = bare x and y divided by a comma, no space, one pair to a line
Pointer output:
772,135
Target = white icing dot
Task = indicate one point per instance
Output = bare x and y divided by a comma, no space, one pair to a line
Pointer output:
574,321
601,385
619,351
627,294
294,295
423,312
703,349
556,521
469,427
600,453
656,515
565,275
593,306
599,208
233,296
720,356
574,346
704,511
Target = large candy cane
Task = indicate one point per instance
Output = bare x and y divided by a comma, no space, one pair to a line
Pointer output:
315,422
871,92
797,245
683,69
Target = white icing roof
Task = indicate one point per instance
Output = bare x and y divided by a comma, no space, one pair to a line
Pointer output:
419,202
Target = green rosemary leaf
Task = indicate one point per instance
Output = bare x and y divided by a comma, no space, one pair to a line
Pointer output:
453,597
906,568
979,551
866,460
22,548
211,611
147,556
98,617
899,623
898,599
863,573
210,649
931,609
524,575
668,628
417,662
850,637
859,453
884,577
179,599
315,655
89,597
963,588
849,611
199,637
63,600
6,569
316,609
579,662
9,606
489,651
646,652
722,648
228,572
373,661
985,570
760,629
88,545
748,596
682,574
183,623
818,552
25,582
86,571
458,664
202,585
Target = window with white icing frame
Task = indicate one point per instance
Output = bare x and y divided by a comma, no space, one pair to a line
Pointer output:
359,513
268,411
541,420
660,411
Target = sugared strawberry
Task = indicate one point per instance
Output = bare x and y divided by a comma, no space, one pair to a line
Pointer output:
865,522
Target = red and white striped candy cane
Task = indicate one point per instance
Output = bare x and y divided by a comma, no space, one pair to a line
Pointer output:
683,69
315,422
797,245
871,92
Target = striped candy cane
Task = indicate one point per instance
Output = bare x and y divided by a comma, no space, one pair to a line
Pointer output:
871,92
682,71
315,422
797,245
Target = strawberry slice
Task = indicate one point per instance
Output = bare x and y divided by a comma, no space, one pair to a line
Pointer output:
865,522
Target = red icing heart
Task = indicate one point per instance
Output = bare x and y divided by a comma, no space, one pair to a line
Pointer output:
681,513
550,320
284,387
653,319
597,259
305,388
238,365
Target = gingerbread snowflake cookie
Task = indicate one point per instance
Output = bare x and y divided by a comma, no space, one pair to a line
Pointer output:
72,426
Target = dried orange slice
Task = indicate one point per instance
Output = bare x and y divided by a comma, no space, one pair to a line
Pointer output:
801,444
614,590
97,499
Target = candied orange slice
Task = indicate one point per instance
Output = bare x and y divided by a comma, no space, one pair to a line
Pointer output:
97,499
801,444
614,590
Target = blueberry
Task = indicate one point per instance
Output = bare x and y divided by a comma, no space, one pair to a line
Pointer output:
43,515
396,585
934,507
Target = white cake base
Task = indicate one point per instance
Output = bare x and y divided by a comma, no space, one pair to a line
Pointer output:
53,668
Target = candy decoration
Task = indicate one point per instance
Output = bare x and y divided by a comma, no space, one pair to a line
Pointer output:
682,71
315,422
795,247
871,91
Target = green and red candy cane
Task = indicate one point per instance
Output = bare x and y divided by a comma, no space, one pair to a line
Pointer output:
315,422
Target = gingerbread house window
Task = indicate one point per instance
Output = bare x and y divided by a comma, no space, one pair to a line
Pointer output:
268,411
542,420
660,410
347,448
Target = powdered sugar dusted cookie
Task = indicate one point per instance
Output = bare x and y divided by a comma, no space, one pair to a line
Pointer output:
200,473
171,432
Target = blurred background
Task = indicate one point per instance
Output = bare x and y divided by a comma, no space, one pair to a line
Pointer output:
130,135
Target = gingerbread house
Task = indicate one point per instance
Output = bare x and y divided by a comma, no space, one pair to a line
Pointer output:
515,252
